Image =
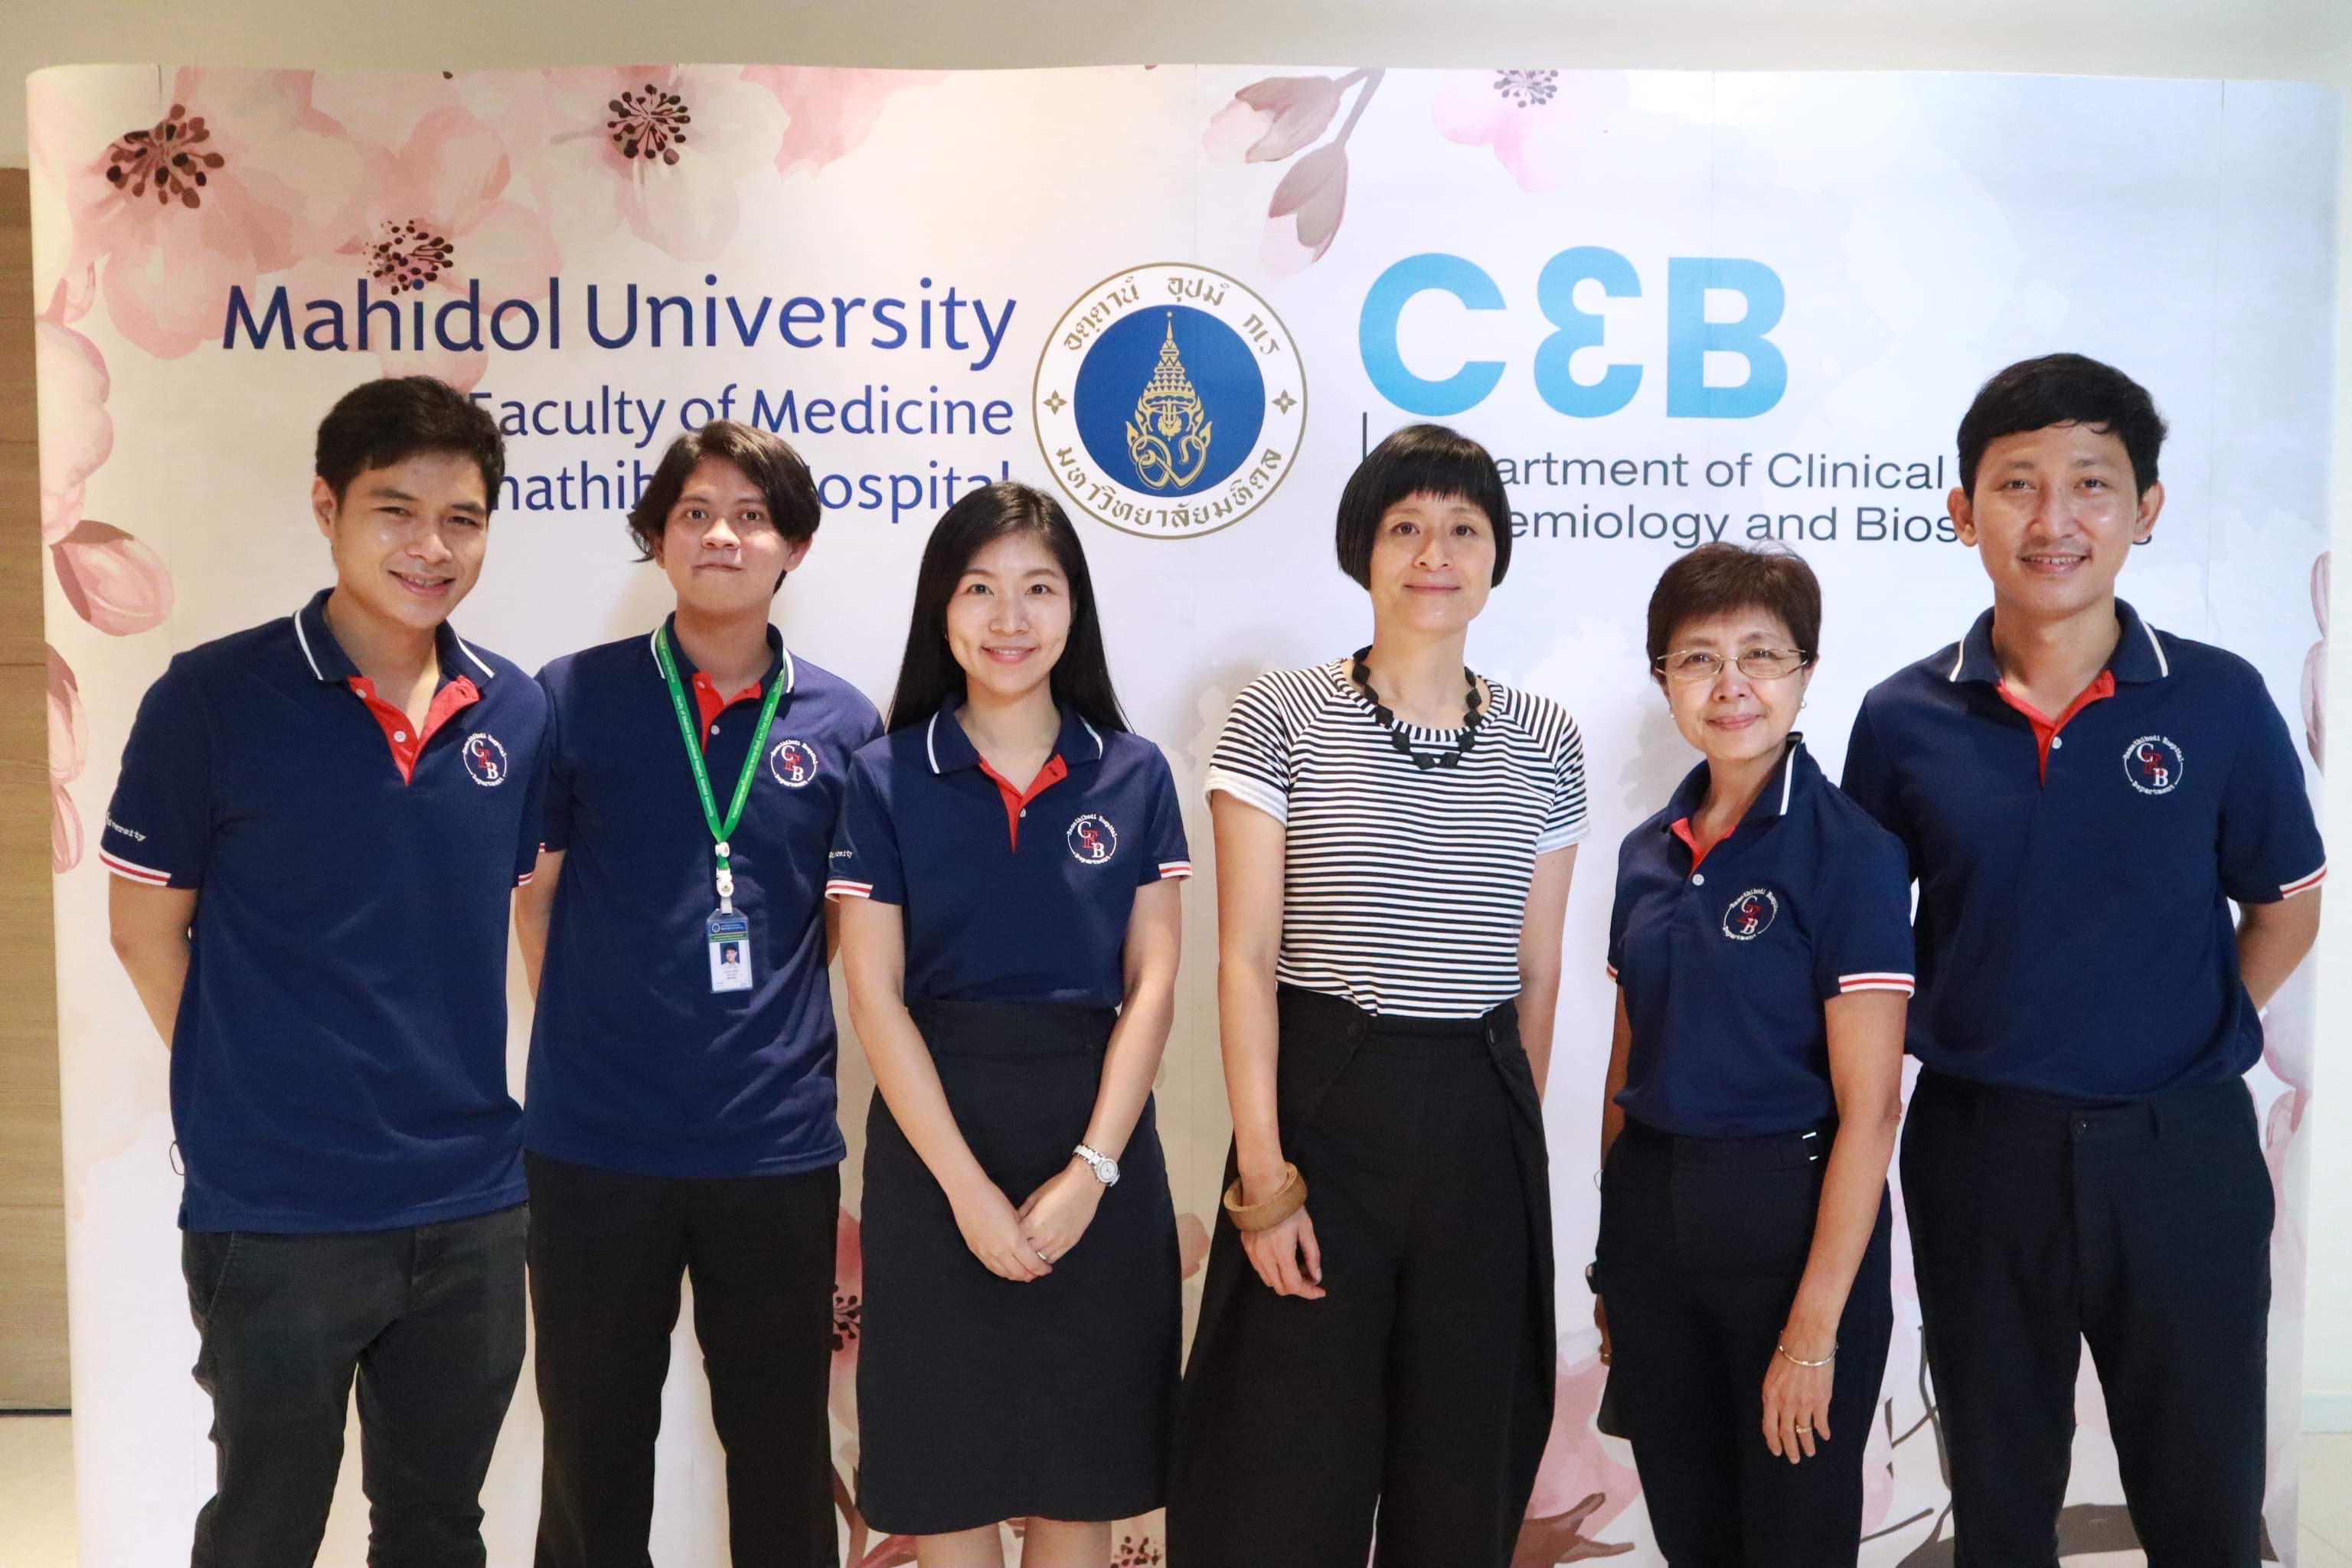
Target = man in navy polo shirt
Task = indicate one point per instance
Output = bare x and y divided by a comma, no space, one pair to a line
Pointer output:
315,836
679,1116
2082,797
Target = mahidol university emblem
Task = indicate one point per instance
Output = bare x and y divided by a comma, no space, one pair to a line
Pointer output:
1169,401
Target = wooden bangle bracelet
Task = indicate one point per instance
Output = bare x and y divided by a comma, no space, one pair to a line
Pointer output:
1287,1200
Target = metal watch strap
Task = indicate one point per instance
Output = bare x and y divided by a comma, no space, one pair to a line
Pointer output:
1105,1168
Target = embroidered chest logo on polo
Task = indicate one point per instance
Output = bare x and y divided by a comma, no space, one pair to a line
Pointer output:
2153,764
1092,839
1752,914
486,760
794,762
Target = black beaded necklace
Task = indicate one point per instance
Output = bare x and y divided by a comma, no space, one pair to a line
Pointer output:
1466,738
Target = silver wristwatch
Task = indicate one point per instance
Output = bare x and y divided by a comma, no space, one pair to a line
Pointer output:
1105,1168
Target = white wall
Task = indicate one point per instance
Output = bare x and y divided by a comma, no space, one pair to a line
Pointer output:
2309,40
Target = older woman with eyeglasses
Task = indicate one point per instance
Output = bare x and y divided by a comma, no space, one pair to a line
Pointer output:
1761,945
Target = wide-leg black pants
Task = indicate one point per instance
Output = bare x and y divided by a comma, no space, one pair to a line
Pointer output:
1421,1386
2143,1228
1703,1242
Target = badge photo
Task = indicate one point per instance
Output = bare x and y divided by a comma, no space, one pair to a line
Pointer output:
1092,839
728,937
793,763
2153,764
1752,914
486,760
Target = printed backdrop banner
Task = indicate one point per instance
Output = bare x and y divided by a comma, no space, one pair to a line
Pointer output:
1677,308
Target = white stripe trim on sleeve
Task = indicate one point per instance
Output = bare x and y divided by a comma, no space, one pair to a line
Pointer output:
131,871
1877,980
2304,884
1175,869
839,888
524,880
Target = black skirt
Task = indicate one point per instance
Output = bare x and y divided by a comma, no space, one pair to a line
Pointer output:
982,1399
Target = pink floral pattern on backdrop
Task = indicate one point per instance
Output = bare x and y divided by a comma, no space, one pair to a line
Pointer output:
1581,1488
236,176
111,580
77,435
1270,120
661,150
435,219
69,748
1525,116
832,111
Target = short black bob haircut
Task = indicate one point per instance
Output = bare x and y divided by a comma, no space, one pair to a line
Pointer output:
767,460
928,677
1720,578
1419,459
379,423
2062,389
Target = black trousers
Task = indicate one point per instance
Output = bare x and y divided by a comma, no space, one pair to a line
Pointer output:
607,1251
2144,1229
1703,1242
1421,1385
429,1319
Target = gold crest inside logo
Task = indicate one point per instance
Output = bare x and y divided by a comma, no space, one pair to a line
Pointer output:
1168,437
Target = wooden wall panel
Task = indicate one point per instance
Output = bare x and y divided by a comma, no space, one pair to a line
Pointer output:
32,1201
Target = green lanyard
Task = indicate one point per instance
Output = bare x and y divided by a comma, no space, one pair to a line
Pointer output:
721,832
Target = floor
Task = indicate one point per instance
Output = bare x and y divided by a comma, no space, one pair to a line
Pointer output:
36,1529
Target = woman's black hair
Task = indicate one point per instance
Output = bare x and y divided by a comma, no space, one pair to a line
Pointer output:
1419,459
928,677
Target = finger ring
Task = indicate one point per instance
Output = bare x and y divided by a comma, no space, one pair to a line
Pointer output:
1804,1429
1041,1255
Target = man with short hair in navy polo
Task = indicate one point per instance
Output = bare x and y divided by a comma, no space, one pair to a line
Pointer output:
679,1118
315,836
2082,797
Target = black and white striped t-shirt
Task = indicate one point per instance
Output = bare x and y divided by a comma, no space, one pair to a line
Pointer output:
1403,888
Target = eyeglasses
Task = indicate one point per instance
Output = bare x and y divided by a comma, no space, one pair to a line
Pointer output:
1754,663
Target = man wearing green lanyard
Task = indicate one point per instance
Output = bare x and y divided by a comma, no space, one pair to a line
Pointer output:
680,1120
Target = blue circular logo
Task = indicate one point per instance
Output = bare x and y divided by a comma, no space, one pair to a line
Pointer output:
1169,401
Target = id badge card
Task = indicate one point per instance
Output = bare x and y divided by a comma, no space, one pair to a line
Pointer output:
728,938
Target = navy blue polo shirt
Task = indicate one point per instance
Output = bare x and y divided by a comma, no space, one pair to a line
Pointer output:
636,1065
339,1062
1010,893
1725,957
2074,933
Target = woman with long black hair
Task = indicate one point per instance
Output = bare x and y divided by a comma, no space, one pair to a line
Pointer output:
1007,867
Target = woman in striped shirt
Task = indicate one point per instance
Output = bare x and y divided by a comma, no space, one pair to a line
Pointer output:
1395,837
